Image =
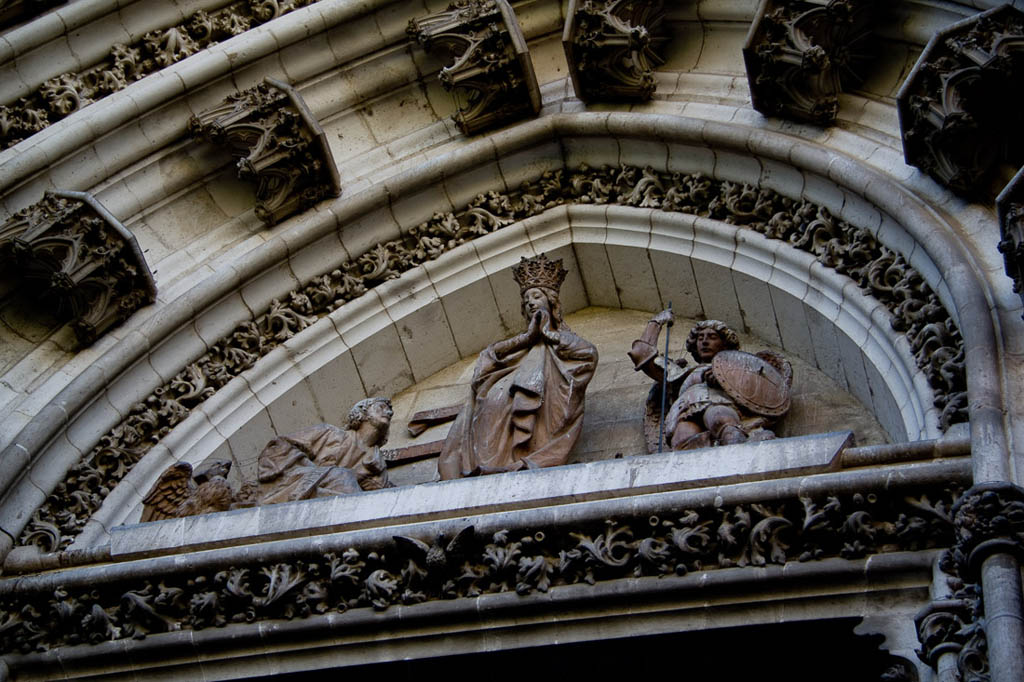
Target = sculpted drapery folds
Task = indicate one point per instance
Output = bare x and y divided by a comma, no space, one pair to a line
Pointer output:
324,460
729,397
525,410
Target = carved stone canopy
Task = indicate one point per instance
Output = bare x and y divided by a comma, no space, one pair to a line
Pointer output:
279,144
959,107
801,55
78,260
1010,207
490,75
613,46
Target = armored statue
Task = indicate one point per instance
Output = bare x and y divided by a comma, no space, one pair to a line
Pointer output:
729,396
318,461
525,408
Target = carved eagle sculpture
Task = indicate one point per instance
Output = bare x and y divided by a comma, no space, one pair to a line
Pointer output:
177,493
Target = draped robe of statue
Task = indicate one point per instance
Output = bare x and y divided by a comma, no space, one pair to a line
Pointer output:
318,461
526,408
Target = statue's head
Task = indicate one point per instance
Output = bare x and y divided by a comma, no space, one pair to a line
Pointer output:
539,277
374,411
709,337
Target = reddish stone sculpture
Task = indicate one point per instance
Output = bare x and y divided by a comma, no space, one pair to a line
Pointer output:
526,406
325,460
729,397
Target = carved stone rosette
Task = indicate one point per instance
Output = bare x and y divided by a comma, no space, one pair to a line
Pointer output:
279,144
491,75
1010,207
801,55
77,258
958,108
613,46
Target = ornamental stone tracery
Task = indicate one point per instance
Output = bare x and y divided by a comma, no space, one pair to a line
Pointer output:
800,56
279,144
882,273
490,75
73,256
958,108
613,46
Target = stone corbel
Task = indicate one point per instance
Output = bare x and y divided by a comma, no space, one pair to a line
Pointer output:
79,260
613,46
280,147
958,108
800,56
490,76
1010,207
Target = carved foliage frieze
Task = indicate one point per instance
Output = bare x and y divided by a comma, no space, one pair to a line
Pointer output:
613,46
882,273
800,56
958,108
490,74
410,570
78,261
279,144
68,92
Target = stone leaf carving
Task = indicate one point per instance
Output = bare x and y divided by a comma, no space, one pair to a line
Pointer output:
279,144
989,520
958,107
68,92
882,273
613,47
490,74
801,55
78,260
411,570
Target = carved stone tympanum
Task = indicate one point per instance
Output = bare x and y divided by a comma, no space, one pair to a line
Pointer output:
280,147
525,409
613,46
959,107
491,76
729,397
801,55
78,260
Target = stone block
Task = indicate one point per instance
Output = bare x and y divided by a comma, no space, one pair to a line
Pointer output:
381,362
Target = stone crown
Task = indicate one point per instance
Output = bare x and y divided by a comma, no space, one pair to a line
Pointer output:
539,272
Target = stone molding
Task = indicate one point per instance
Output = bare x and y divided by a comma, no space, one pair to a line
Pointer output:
800,56
533,550
933,336
280,148
613,46
490,75
957,106
79,261
69,92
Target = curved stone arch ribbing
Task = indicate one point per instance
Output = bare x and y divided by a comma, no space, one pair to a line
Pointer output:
570,132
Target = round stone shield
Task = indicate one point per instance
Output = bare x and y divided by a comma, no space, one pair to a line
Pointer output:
752,382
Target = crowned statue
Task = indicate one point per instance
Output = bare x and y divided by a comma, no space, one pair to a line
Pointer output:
525,408
730,396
